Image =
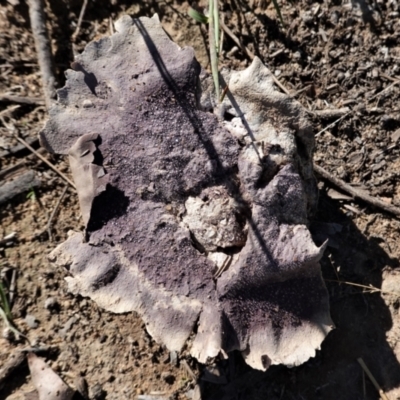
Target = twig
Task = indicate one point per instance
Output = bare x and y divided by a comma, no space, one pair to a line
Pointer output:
373,289
9,110
333,123
250,54
223,267
14,362
54,212
390,78
79,23
43,48
44,160
373,380
244,49
34,101
33,141
280,85
189,370
331,113
300,91
356,193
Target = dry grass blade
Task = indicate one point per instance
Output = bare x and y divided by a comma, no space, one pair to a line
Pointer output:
373,380
45,161
244,49
213,46
80,19
35,101
372,289
278,11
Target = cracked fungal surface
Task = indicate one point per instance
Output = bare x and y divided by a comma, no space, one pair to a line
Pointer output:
197,224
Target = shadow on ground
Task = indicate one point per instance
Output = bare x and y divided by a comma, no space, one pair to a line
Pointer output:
361,319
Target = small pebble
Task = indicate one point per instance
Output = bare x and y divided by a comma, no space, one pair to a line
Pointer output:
87,103
31,321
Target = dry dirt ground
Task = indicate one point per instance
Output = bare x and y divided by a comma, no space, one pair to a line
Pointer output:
330,55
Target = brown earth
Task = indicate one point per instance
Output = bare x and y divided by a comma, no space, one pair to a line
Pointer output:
329,55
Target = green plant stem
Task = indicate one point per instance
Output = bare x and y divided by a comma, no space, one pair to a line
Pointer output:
278,11
216,26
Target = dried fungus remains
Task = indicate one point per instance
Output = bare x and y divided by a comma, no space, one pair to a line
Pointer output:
196,223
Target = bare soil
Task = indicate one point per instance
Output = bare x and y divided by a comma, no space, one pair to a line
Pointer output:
329,55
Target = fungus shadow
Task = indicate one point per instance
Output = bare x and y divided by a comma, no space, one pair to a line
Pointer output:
109,204
361,320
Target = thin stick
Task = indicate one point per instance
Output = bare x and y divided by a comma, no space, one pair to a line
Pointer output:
43,48
373,380
9,110
45,161
78,25
188,369
373,289
280,85
356,193
33,101
54,212
331,113
244,49
223,267
333,124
